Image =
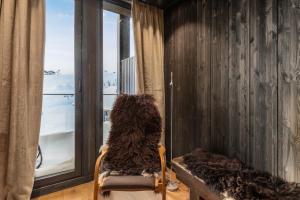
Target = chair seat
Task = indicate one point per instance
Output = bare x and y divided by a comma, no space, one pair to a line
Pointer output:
127,183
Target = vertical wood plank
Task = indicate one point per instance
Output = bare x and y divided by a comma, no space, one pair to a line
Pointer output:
289,89
239,79
177,108
183,63
263,84
177,98
203,73
242,100
170,33
168,57
190,70
219,87
184,79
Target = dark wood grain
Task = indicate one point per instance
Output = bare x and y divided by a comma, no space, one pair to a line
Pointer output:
203,80
239,79
289,89
247,86
263,87
168,58
189,71
219,76
164,4
182,61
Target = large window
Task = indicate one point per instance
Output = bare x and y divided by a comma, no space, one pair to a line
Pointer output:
118,62
57,132
71,130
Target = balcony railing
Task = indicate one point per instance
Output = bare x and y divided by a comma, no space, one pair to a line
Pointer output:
128,75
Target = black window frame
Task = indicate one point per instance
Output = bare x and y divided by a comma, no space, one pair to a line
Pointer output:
88,93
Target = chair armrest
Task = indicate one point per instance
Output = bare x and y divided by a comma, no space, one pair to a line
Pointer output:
96,172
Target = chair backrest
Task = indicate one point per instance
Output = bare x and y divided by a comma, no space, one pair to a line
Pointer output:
134,136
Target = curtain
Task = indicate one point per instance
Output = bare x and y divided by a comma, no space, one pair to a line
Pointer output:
21,75
149,50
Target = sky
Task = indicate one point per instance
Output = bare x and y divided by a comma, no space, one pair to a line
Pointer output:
59,49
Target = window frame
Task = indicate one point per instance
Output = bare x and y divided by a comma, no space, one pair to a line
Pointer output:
123,40
88,53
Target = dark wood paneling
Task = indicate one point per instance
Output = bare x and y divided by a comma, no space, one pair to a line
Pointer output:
184,76
203,84
162,3
219,76
246,86
289,89
189,68
239,79
168,59
263,84
182,62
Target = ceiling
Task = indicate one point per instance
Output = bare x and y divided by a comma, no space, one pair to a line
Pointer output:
159,3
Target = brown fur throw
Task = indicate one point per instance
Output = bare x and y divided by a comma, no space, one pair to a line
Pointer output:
223,174
134,136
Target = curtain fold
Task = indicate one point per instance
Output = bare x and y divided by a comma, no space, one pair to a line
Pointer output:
148,25
22,34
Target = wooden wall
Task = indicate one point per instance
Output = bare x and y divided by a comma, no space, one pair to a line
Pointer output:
236,66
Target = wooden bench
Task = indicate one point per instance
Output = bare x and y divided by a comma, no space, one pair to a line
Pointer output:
198,189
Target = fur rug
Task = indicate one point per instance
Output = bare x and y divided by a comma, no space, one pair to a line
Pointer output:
239,181
134,136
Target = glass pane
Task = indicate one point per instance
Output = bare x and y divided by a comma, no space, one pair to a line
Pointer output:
110,67
110,53
57,140
57,114
132,47
128,67
57,136
108,101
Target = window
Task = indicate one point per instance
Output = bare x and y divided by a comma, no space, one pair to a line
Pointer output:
110,66
57,132
118,62
74,99
60,143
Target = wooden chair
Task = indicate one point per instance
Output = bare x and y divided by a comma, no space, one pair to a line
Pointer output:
130,183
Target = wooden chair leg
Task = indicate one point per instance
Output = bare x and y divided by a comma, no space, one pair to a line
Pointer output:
164,195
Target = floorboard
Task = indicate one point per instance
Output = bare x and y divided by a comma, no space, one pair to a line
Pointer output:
85,192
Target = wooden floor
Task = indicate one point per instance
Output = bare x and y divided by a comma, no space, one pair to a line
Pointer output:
85,192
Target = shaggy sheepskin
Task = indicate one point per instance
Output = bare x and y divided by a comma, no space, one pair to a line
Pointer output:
239,181
134,136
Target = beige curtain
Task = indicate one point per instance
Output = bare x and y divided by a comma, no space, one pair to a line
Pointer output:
21,76
149,48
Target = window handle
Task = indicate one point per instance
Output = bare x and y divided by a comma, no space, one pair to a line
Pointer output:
79,85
